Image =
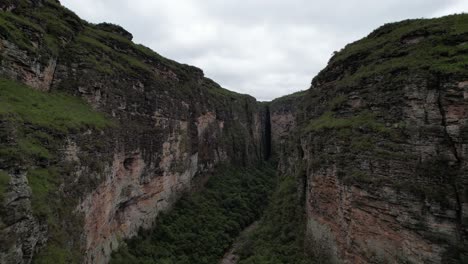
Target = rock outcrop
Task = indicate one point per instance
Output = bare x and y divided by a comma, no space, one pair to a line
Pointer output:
379,143
381,147
172,126
19,221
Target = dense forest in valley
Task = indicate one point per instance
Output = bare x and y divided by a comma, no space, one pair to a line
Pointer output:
202,226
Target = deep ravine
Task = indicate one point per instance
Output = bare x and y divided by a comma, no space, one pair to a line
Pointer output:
202,226
110,152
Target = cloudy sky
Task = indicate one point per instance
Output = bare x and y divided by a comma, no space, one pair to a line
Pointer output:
265,48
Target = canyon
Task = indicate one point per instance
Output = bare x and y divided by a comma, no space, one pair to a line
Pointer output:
376,149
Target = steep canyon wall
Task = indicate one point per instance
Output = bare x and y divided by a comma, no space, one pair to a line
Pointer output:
170,127
380,145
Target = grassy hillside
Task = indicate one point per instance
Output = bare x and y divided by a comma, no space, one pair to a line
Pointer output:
437,45
382,114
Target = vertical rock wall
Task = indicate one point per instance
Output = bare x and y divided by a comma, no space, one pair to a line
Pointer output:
172,126
383,148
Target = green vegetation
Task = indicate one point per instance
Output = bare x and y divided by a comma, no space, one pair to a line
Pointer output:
329,121
202,226
105,48
357,176
11,27
216,90
53,254
361,143
442,177
107,52
55,111
48,205
110,53
4,181
337,102
34,126
290,100
57,21
436,45
46,26
40,121
279,239
43,182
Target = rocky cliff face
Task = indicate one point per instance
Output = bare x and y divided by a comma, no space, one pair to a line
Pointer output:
378,143
284,113
170,127
381,146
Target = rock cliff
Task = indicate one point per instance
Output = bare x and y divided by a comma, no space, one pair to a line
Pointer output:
380,146
168,128
112,134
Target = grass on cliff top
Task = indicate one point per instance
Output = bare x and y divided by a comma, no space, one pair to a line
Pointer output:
52,25
436,45
202,226
107,53
57,111
290,98
11,29
58,23
47,26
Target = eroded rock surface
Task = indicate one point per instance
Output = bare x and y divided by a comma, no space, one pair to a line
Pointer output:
171,127
20,231
382,155
378,143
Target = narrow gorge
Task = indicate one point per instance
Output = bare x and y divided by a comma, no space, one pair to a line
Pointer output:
111,153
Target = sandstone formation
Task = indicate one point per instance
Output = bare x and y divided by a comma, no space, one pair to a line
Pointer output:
171,127
378,144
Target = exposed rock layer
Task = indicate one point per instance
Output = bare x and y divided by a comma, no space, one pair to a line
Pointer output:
172,126
382,149
379,142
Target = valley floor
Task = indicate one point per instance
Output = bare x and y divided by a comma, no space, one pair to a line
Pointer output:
244,216
202,226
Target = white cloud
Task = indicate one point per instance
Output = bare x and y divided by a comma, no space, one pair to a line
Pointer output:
266,48
455,8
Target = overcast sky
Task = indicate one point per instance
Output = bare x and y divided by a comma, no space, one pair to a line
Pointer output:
265,48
